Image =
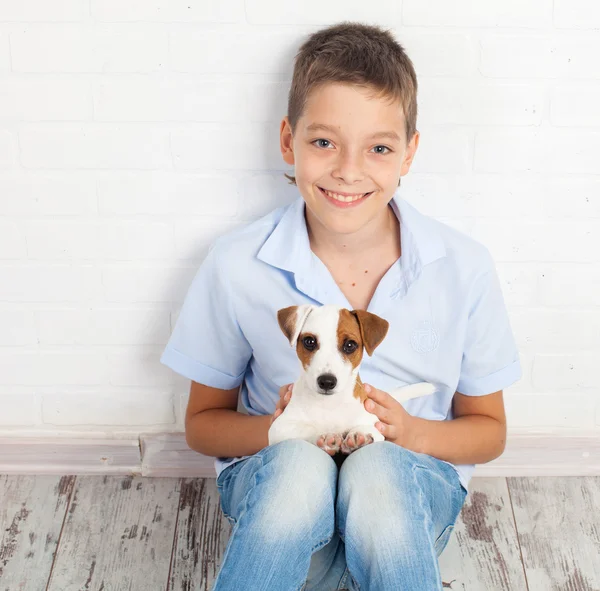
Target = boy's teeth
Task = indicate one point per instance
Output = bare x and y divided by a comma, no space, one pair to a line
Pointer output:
346,199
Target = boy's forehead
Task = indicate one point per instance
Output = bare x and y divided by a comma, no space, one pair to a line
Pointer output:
377,114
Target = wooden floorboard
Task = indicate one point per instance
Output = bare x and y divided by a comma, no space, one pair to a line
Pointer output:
558,523
483,553
201,538
115,533
32,512
118,535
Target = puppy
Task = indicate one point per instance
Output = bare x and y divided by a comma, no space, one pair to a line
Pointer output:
328,397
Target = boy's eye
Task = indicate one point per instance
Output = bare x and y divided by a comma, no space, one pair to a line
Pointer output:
309,343
349,346
321,140
384,147
327,142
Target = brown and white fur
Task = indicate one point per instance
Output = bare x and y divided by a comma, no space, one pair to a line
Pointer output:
328,397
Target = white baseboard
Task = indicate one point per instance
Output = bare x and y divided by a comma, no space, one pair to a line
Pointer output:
167,454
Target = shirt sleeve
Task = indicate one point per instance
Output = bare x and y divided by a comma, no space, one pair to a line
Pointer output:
207,344
490,360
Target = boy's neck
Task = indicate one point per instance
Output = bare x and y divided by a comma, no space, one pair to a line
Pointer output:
381,234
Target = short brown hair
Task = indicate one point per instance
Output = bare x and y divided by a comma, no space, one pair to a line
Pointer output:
356,53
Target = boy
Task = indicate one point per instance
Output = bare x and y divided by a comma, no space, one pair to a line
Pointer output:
383,518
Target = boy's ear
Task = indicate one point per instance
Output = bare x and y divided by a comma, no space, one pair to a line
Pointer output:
286,141
372,329
292,319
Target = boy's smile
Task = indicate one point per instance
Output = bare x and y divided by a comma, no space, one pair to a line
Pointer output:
343,200
349,151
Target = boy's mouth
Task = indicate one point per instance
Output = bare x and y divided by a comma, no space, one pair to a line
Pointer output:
343,199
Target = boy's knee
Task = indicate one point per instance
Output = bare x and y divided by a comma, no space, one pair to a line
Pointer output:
300,489
300,457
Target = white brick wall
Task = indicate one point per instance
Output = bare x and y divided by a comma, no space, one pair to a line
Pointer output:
133,132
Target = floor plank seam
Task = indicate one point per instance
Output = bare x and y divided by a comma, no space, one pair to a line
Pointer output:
512,508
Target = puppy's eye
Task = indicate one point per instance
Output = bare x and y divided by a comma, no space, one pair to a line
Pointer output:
350,346
309,343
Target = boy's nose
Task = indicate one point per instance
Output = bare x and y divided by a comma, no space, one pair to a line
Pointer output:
327,381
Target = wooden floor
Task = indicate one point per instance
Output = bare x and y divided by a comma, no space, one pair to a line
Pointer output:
113,533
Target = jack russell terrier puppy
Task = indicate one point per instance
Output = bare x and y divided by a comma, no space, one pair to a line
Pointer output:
328,397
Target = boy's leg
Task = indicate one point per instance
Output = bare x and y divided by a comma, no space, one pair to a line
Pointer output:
281,503
328,570
395,512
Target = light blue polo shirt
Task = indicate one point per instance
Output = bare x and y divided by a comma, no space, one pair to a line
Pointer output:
442,298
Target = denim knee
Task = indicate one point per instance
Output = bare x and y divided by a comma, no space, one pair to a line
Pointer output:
291,492
380,502
387,491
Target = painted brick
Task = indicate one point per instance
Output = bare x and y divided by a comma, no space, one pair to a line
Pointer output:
475,103
139,366
256,52
103,326
575,106
4,53
548,241
165,11
515,150
94,146
48,282
547,330
315,12
125,408
69,48
227,147
443,150
118,240
560,372
41,10
505,197
12,241
460,55
24,193
167,193
8,150
565,410
576,14
18,328
45,99
19,409
540,56
56,368
152,283
471,13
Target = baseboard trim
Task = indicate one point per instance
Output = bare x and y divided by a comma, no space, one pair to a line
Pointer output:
167,454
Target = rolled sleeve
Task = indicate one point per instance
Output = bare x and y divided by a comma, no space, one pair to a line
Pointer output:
207,344
490,359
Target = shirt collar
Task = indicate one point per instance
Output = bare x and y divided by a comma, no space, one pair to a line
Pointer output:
288,247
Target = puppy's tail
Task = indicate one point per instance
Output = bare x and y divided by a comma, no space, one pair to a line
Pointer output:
413,391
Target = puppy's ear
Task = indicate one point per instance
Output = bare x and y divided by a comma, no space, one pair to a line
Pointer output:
372,329
292,319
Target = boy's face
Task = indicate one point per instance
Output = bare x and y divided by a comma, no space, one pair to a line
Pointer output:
348,156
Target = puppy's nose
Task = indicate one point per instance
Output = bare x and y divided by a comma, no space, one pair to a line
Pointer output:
327,381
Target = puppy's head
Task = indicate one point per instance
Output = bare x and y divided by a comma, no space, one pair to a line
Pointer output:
329,341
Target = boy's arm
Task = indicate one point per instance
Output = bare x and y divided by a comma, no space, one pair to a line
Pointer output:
213,426
476,435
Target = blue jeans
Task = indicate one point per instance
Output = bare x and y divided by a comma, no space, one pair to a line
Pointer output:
298,525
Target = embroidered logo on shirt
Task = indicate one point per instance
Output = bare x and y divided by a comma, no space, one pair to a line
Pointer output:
425,338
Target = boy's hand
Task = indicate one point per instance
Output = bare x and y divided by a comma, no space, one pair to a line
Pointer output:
285,393
395,424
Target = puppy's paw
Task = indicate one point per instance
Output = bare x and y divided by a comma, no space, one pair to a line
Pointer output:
330,442
355,440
